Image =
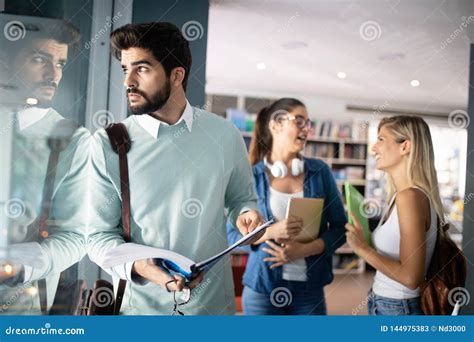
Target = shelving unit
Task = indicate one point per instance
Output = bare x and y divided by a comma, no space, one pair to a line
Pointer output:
342,255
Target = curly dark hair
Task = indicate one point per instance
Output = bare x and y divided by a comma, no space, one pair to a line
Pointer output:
164,40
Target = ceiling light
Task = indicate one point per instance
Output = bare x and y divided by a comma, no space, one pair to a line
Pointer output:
414,83
342,75
261,66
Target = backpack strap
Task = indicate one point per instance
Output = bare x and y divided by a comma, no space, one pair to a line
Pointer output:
58,141
121,144
43,220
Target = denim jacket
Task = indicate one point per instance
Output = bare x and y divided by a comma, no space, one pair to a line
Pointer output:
318,183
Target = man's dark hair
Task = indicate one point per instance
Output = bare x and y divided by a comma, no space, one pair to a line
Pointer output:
58,30
63,33
164,40
38,29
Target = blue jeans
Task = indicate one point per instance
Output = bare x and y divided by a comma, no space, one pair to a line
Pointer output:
282,302
378,305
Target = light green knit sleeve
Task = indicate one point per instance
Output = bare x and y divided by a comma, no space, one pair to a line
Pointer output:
240,195
65,244
104,227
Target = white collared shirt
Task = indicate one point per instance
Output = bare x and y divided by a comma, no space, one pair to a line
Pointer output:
152,125
26,118
29,116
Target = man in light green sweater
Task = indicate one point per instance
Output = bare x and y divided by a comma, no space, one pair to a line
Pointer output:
188,170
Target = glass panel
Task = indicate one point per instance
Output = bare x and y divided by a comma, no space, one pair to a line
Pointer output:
43,79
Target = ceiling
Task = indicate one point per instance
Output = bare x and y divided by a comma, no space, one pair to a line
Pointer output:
381,46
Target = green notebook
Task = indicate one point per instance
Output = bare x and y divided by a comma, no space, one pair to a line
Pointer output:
355,205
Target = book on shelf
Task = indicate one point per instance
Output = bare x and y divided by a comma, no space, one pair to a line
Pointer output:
355,151
356,130
243,120
349,173
320,150
324,129
354,172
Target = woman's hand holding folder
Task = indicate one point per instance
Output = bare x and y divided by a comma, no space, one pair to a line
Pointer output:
285,249
355,235
285,230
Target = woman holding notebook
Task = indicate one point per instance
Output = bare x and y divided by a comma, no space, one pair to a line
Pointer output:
405,238
284,276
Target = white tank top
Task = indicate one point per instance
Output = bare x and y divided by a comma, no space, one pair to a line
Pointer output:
386,239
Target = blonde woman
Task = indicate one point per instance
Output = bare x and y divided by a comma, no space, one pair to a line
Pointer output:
405,238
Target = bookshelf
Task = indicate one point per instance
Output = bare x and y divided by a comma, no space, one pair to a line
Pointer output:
347,156
346,262
342,145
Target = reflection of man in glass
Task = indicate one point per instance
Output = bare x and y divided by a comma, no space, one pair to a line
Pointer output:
40,66
35,68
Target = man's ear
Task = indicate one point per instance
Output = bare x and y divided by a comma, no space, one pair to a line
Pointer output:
177,76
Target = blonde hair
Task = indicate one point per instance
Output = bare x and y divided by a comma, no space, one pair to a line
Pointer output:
421,170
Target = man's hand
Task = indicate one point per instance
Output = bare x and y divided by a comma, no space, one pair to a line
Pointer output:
248,221
147,269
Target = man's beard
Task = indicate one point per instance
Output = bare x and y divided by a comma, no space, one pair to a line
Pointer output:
156,102
43,102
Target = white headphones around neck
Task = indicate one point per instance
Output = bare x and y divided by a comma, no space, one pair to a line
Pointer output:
279,170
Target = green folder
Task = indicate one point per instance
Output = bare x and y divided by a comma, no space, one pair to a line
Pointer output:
355,205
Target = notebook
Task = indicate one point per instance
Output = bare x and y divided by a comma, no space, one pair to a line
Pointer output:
171,261
355,205
310,210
